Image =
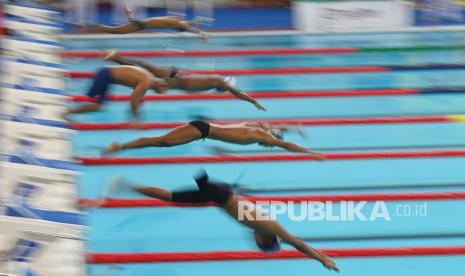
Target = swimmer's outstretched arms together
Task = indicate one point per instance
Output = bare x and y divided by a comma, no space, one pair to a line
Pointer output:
162,22
137,78
243,134
267,233
176,79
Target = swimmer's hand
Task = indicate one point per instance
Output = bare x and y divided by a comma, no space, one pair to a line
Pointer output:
259,106
319,156
329,263
112,148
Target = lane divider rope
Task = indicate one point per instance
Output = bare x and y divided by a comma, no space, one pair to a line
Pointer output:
111,258
134,203
304,70
283,94
257,52
264,71
268,94
104,161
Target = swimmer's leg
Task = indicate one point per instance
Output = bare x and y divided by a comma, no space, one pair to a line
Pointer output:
131,27
155,192
178,136
121,29
188,196
174,22
158,71
113,56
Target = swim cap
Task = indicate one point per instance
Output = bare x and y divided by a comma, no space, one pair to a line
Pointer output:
278,134
275,245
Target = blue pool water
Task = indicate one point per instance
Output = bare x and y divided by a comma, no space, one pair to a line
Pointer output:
207,229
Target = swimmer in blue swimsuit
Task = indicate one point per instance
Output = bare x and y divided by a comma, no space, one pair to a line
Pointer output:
243,134
137,78
187,82
162,22
267,232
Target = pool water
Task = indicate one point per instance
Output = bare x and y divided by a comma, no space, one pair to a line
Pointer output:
208,229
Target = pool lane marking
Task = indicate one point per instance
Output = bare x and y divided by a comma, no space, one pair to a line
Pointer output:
109,258
140,203
344,156
258,52
304,70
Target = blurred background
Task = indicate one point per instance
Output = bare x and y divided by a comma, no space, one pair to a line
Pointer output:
377,84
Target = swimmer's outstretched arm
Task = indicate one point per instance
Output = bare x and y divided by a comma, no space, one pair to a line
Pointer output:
271,140
300,245
239,94
272,227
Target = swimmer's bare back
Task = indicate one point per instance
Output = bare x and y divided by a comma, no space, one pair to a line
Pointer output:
129,75
158,71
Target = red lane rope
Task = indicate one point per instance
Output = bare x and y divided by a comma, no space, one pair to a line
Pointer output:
127,203
110,258
260,95
266,71
304,122
95,161
208,53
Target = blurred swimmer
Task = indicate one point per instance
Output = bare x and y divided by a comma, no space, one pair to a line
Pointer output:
137,78
162,22
187,82
267,233
242,134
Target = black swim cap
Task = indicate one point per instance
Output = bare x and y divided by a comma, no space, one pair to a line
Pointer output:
275,245
278,134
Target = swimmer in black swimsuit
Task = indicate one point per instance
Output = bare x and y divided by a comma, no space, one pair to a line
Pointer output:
267,232
243,134
187,82
162,22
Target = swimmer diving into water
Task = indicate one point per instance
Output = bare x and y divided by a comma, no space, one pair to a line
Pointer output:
162,22
137,78
243,134
267,233
187,82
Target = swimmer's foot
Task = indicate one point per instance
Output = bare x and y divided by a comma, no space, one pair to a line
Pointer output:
128,13
65,116
203,36
114,147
